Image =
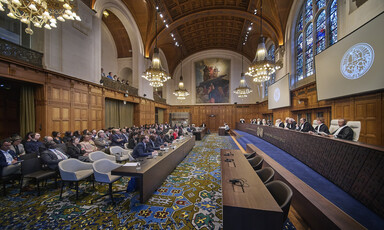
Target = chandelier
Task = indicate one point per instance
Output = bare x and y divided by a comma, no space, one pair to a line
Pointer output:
243,90
155,74
181,93
40,13
262,67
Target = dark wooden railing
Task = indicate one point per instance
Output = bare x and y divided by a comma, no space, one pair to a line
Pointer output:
16,52
109,83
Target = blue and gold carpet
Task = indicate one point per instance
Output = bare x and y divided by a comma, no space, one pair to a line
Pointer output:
190,198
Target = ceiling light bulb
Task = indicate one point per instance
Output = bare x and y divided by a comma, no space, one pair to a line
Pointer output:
171,35
250,28
37,24
47,27
17,2
32,7
166,25
67,6
161,15
10,14
1,7
60,18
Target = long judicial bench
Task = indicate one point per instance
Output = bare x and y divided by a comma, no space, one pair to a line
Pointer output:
250,206
154,171
356,168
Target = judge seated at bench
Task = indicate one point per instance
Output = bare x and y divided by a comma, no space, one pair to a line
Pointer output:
304,126
142,149
343,132
279,123
321,128
226,127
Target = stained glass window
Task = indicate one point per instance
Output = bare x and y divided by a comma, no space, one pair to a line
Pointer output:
271,54
308,11
309,50
320,32
320,4
316,29
333,23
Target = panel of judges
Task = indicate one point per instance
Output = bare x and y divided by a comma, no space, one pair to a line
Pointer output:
356,168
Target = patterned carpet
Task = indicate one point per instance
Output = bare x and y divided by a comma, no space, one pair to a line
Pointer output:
190,198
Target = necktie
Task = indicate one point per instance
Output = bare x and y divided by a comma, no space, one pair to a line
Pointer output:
62,156
17,150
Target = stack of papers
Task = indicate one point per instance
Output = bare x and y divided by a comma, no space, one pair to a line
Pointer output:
130,164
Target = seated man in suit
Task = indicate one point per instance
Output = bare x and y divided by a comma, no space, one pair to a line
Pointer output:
321,128
141,149
160,140
343,132
34,145
52,156
152,142
117,139
9,163
305,126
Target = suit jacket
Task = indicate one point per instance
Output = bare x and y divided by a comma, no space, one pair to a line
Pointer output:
75,151
306,128
281,125
131,143
159,141
50,158
323,128
21,149
3,161
141,150
33,146
116,142
292,125
152,145
168,138
346,133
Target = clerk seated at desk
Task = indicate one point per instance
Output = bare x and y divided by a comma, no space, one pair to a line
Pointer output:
343,132
142,149
226,127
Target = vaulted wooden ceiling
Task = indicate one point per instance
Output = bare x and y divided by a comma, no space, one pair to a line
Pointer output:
199,25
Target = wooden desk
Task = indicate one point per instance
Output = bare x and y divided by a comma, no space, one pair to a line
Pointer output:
356,168
255,208
200,134
154,171
221,131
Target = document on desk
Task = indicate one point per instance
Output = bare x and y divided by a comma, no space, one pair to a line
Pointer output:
130,164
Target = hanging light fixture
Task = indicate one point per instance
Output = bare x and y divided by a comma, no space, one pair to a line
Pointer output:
243,90
181,93
155,74
262,67
40,13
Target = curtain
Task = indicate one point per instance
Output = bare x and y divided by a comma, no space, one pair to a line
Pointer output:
117,114
27,110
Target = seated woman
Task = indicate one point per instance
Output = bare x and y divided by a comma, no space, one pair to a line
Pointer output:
56,137
16,146
88,145
75,150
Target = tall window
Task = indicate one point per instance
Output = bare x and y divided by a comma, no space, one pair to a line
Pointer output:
271,54
316,29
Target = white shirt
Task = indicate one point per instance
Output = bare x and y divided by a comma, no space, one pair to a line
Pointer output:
8,157
226,127
318,127
60,155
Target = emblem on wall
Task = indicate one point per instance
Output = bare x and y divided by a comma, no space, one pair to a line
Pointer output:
357,61
276,94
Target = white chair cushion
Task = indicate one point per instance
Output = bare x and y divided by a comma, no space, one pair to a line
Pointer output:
356,127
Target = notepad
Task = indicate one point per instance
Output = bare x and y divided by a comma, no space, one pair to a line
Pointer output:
130,164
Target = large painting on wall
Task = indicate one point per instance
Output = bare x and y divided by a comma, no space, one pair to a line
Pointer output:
212,80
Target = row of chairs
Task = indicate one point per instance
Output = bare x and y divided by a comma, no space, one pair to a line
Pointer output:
354,125
280,191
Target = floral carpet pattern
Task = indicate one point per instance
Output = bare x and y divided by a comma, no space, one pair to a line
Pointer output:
190,198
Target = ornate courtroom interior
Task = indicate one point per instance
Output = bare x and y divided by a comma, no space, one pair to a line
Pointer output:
192,114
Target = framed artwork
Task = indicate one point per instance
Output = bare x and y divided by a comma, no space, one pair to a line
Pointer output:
212,80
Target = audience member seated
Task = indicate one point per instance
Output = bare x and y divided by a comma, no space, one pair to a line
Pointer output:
101,141
304,126
291,124
67,137
152,143
34,146
9,162
125,135
52,156
16,146
160,140
27,138
279,123
168,137
110,75
141,149
343,132
74,150
56,137
175,134
87,144
321,128
117,139
133,139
